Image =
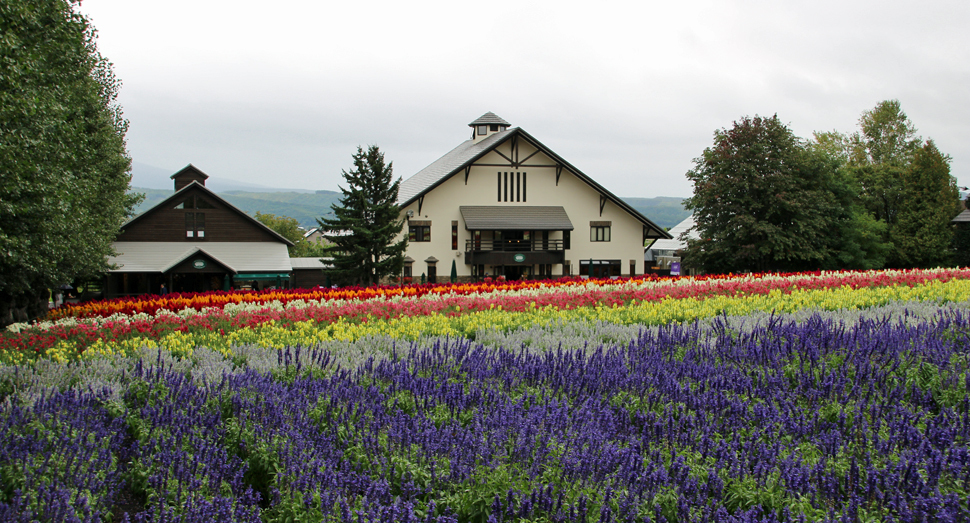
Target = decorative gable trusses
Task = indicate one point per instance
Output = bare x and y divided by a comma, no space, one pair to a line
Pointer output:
462,158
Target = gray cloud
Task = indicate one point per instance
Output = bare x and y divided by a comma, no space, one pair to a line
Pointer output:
628,92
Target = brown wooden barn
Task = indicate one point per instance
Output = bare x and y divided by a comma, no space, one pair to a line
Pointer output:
194,241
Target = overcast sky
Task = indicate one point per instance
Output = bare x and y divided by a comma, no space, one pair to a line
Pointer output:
281,93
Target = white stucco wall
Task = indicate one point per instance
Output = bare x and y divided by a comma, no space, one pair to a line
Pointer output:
581,202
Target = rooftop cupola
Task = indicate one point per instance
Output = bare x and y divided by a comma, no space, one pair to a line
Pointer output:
487,125
187,175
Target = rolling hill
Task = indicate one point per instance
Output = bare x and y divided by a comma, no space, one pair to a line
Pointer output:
665,211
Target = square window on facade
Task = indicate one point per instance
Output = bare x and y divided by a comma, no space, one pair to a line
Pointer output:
419,233
599,234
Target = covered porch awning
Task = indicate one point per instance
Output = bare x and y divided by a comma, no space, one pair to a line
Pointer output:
515,218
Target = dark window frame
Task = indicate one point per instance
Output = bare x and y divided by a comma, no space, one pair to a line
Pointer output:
419,233
600,233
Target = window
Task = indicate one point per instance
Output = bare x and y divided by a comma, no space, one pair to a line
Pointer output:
419,233
454,236
518,187
407,270
482,129
599,233
194,202
195,225
565,239
493,127
599,268
512,187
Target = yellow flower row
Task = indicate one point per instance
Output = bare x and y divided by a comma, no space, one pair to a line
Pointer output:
308,333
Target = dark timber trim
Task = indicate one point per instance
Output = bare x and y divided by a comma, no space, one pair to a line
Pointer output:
602,203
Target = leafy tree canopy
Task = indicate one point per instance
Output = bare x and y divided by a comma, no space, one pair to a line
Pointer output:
923,236
366,223
289,228
62,154
904,185
765,200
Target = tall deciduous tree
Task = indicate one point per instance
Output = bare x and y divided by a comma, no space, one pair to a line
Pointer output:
762,201
766,200
64,168
905,184
366,223
923,235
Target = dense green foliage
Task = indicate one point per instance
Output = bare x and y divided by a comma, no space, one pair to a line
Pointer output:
905,184
62,152
923,236
765,199
366,223
290,229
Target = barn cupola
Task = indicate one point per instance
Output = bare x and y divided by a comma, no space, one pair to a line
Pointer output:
187,175
487,125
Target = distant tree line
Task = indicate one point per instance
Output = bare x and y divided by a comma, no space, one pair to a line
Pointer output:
767,200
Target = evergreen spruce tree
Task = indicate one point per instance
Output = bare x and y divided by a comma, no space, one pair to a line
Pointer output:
365,223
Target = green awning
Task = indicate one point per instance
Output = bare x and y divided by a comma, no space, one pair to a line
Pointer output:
261,275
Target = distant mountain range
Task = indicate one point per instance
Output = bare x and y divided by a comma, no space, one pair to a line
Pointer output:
146,177
307,206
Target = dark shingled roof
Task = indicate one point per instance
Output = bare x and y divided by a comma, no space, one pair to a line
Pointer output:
489,118
962,217
509,217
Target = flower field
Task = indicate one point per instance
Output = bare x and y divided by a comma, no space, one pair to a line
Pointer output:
804,397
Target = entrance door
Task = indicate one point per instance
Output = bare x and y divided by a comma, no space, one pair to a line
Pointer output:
517,240
518,272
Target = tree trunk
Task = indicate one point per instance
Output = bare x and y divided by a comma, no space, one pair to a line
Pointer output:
19,308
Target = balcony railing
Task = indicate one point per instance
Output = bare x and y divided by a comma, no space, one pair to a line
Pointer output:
514,245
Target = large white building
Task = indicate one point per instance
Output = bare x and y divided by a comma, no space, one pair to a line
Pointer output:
503,204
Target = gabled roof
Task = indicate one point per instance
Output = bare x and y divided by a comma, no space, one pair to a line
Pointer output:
469,151
192,252
444,167
676,243
163,256
489,118
963,217
209,194
190,168
311,263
